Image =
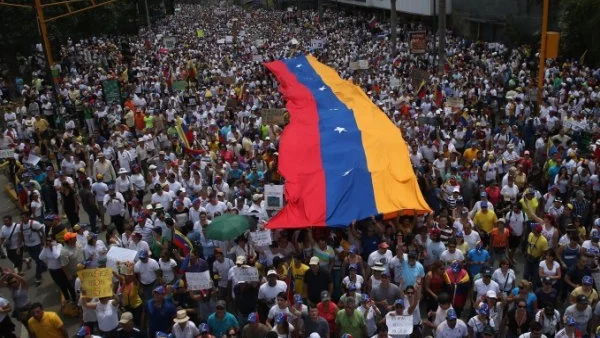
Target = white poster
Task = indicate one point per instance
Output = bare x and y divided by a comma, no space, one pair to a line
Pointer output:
274,197
261,238
229,39
221,41
249,274
399,325
116,254
363,64
7,153
198,280
257,58
317,44
32,159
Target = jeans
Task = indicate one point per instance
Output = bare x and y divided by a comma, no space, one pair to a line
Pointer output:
40,266
92,215
16,257
119,222
64,284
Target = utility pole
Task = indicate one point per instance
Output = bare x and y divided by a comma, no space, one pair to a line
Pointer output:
442,35
542,71
147,15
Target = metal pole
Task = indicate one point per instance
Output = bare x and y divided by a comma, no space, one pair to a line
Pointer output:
442,35
542,52
147,15
44,32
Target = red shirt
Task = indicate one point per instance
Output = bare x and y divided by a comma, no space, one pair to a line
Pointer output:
328,313
493,193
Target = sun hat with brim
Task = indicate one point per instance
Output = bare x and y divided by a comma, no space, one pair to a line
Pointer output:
181,317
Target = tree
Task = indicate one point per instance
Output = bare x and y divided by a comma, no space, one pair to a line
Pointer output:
393,25
579,22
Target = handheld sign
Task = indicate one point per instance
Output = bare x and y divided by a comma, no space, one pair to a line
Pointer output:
247,274
274,196
116,254
399,325
96,283
273,116
198,280
261,238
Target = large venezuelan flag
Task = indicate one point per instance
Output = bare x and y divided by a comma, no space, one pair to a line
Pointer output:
341,156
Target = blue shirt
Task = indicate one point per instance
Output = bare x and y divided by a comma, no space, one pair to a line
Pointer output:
531,298
218,328
475,256
411,273
160,318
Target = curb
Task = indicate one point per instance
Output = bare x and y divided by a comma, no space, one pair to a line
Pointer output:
12,194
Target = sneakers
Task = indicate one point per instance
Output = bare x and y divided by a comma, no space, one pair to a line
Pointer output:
38,282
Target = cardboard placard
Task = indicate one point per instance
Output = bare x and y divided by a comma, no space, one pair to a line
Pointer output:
125,268
221,41
261,238
274,196
353,65
31,159
317,44
7,153
169,42
399,325
273,116
418,42
363,64
116,254
96,283
229,39
198,280
417,76
454,103
179,85
247,274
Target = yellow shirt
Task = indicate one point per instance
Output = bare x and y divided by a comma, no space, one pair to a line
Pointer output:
41,125
485,221
533,203
298,276
536,245
470,154
50,326
592,296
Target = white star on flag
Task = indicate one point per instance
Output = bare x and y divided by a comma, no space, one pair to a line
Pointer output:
299,65
322,88
347,172
340,130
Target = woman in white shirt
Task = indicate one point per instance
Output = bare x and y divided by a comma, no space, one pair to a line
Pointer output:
107,313
550,267
94,251
505,277
167,266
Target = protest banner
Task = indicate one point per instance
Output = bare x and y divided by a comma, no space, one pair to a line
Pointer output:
229,39
418,42
198,280
31,159
317,44
363,64
7,153
116,254
273,116
273,196
261,238
246,274
179,85
200,33
96,283
169,42
417,76
112,91
399,325
454,103
353,65
257,58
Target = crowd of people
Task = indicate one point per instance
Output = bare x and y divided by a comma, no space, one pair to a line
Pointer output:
510,248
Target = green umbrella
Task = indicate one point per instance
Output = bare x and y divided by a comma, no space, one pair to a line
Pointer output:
227,227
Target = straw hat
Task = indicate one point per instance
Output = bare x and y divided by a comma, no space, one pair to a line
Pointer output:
181,317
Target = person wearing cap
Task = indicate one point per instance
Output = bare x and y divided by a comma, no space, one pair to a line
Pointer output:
452,327
537,245
477,206
451,254
484,221
328,310
516,221
70,255
546,293
85,332
267,293
105,168
254,328
570,330
382,254
114,202
100,189
220,321
159,311
477,323
298,269
581,311
257,207
94,251
183,326
147,271
353,278
484,284
162,197
316,280
123,184
351,291
587,289
458,281
550,319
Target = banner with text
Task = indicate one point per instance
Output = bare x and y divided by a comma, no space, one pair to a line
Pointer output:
96,283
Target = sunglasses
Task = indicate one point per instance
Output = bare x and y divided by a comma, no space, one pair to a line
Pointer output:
522,306
410,293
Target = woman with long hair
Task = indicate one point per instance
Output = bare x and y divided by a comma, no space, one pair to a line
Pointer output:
434,284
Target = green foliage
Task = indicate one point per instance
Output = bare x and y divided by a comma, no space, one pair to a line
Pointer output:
579,22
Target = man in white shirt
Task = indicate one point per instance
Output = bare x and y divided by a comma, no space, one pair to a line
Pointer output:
147,271
452,327
114,202
267,293
184,327
381,255
535,331
10,238
32,237
7,327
